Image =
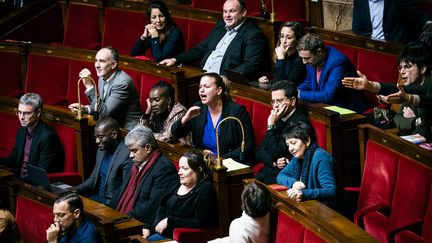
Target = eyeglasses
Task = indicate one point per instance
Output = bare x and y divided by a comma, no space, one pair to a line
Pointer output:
24,113
278,101
405,66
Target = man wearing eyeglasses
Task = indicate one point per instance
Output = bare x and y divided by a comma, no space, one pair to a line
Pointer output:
272,151
36,142
70,224
112,160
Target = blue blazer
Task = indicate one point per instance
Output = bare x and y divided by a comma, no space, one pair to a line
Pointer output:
330,90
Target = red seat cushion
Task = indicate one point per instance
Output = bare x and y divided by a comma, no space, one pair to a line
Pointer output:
288,230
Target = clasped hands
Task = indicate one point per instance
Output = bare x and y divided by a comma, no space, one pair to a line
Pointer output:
295,192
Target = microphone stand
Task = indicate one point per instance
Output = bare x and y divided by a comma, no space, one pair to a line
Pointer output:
273,16
80,112
219,165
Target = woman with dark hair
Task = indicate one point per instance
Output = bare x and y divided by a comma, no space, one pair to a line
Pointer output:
202,119
161,34
254,224
312,172
162,111
289,65
192,205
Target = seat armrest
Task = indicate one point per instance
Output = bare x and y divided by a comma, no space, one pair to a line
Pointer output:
414,225
358,216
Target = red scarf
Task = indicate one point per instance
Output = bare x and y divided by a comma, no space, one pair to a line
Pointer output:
127,201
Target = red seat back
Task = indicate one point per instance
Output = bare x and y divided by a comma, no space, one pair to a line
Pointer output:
379,175
215,5
288,10
136,77
8,129
11,72
68,140
195,37
122,29
82,27
74,68
32,218
147,81
259,120
349,51
412,191
47,76
320,132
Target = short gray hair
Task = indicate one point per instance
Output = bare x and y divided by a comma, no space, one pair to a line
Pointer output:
32,99
141,135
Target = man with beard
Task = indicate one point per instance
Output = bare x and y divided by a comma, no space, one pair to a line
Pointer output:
162,111
112,159
36,142
70,223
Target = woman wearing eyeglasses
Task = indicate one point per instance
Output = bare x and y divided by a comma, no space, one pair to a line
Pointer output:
161,35
289,66
312,172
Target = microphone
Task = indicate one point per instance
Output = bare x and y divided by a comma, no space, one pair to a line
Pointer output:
96,107
242,156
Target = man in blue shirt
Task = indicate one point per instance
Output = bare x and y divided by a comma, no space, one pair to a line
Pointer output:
112,159
70,223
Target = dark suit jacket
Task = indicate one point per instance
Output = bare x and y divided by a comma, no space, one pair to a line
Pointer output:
393,19
159,179
425,93
273,146
115,175
121,101
247,53
46,150
230,135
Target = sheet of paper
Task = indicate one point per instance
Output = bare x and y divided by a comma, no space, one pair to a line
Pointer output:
339,110
233,165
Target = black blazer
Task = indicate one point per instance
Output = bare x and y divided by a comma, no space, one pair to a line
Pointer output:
395,12
159,179
273,146
116,173
230,135
46,150
247,53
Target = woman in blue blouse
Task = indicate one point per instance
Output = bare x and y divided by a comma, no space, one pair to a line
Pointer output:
161,34
202,119
312,172
289,65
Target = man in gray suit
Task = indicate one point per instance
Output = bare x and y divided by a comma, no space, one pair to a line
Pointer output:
112,159
118,96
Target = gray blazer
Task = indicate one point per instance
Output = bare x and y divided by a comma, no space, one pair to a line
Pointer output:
116,173
121,100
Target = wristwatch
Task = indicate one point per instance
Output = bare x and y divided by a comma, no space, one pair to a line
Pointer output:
269,127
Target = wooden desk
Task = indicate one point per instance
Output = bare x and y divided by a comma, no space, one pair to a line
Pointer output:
318,218
102,215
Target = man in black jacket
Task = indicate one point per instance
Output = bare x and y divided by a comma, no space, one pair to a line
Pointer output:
36,142
234,44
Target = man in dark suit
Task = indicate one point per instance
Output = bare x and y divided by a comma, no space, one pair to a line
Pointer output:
118,97
273,151
36,142
385,19
148,177
112,160
234,43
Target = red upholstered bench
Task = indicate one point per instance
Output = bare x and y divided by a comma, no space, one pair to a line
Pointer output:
10,63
